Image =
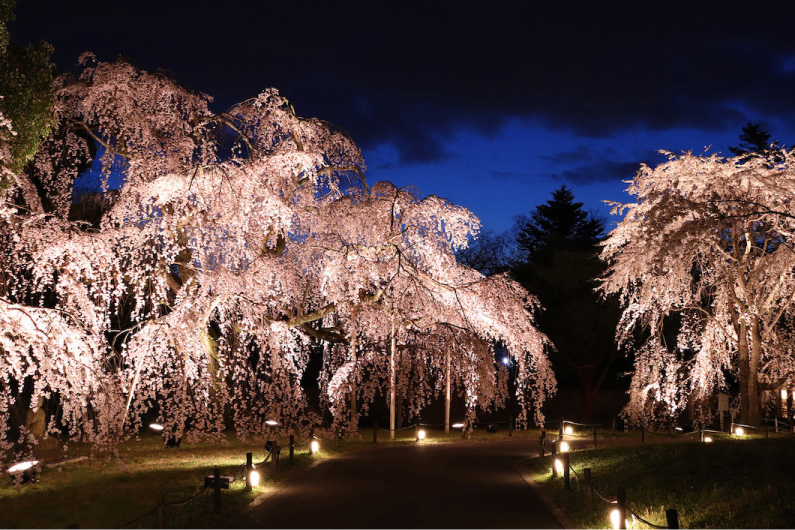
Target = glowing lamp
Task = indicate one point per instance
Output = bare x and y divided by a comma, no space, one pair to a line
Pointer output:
568,430
314,447
564,447
457,426
253,478
156,427
783,393
614,519
707,439
271,423
421,434
678,429
739,431
506,361
24,471
558,465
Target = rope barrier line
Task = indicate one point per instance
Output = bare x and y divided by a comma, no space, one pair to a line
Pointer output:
150,512
642,520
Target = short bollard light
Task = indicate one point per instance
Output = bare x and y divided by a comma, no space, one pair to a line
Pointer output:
564,447
314,447
558,465
568,430
420,435
739,431
24,471
707,439
614,520
253,478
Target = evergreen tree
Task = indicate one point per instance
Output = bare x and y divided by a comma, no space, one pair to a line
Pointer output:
755,141
559,243
559,224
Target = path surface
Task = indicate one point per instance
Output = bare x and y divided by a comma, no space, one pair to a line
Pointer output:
410,486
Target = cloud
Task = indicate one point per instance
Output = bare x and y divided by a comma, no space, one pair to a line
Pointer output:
413,73
587,165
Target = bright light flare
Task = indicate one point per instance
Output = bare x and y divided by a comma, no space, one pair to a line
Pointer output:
421,434
739,431
314,446
783,394
568,429
253,478
156,427
457,426
22,466
614,520
271,423
564,447
558,465
707,439
506,361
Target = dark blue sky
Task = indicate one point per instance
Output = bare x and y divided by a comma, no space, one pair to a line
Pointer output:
490,104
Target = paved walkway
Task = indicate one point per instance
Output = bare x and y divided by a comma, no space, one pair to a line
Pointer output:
472,485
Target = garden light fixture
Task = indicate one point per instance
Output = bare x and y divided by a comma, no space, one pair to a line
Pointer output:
156,427
271,423
24,471
568,430
564,447
253,478
558,465
314,447
420,435
457,426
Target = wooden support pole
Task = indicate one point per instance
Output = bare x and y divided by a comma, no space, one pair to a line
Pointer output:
217,490
249,465
701,435
588,487
292,449
566,476
622,509
672,517
161,509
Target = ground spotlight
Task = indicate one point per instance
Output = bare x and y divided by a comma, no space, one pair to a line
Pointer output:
271,423
739,431
568,430
614,519
564,447
156,427
253,478
558,465
707,439
457,426
24,471
420,435
314,447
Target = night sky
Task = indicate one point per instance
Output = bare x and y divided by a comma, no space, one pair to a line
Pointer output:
490,104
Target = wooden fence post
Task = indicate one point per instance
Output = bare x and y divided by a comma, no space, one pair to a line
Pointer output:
673,518
217,490
560,433
588,487
249,465
622,508
701,435
292,448
542,442
375,432
775,424
566,476
161,509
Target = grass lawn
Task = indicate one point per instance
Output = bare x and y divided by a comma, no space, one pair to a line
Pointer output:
104,492
729,483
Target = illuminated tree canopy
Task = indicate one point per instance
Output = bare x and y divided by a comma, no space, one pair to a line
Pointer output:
237,243
704,265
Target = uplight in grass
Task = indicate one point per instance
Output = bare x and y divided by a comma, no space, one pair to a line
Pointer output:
739,431
271,423
783,393
614,520
253,478
314,446
558,465
564,447
421,434
22,466
457,426
707,439
156,427
568,430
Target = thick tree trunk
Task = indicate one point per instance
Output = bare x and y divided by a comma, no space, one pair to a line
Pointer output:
447,393
392,350
354,405
749,355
